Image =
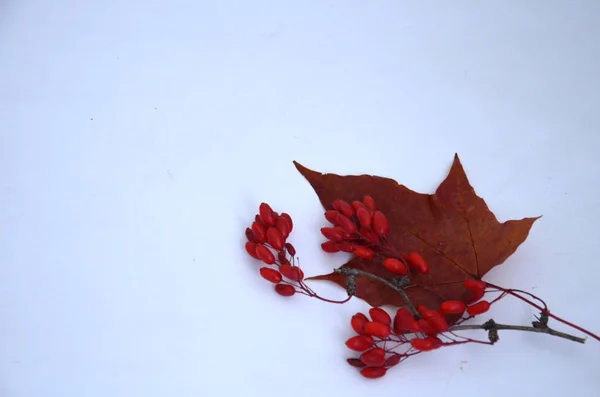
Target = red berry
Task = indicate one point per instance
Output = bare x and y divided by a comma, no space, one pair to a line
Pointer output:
285,289
426,327
478,308
346,223
363,252
355,362
380,223
290,249
288,218
331,233
343,207
360,343
275,238
437,321
392,360
453,307
405,322
475,296
417,263
265,254
368,235
260,234
364,217
358,204
271,275
329,246
294,273
251,250
373,372
358,323
377,329
345,246
250,235
266,213
379,315
369,203
332,216
283,227
475,285
395,266
374,356
435,341
282,258
259,220
422,344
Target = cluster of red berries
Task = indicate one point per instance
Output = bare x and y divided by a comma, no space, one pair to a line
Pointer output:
426,327
267,242
359,228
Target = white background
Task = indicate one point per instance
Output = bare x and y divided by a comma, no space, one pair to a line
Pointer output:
138,139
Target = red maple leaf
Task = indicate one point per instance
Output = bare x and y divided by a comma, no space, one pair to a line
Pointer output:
453,229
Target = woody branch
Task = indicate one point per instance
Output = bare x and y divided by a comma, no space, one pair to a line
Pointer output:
539,326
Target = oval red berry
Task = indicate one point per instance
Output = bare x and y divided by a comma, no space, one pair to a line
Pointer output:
358,204
283,227
355,362
358,323
374,356
266,214
453,307
417,263
379,315
332,234
346,223
251,250
426,327
364,252
265,254
474,285
360,343
373,372
377,329
275,238
422,344
271,275
343,207
288,218
369,202
392,360
260,234
285,289
364,217
290,249
395,266
478,308
405,322
345,246
380,224
330,247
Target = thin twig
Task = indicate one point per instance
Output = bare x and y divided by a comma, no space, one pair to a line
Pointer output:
350,272
492,325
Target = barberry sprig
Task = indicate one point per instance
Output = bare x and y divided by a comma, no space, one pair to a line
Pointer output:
267,242
384,341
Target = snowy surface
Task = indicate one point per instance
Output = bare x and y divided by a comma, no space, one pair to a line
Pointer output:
138,138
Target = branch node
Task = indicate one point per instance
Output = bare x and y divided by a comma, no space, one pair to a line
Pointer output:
351,286
401,282
490,325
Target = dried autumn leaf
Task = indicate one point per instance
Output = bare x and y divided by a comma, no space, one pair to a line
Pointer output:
453,229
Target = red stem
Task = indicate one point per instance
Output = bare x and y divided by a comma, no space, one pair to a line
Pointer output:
516,295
